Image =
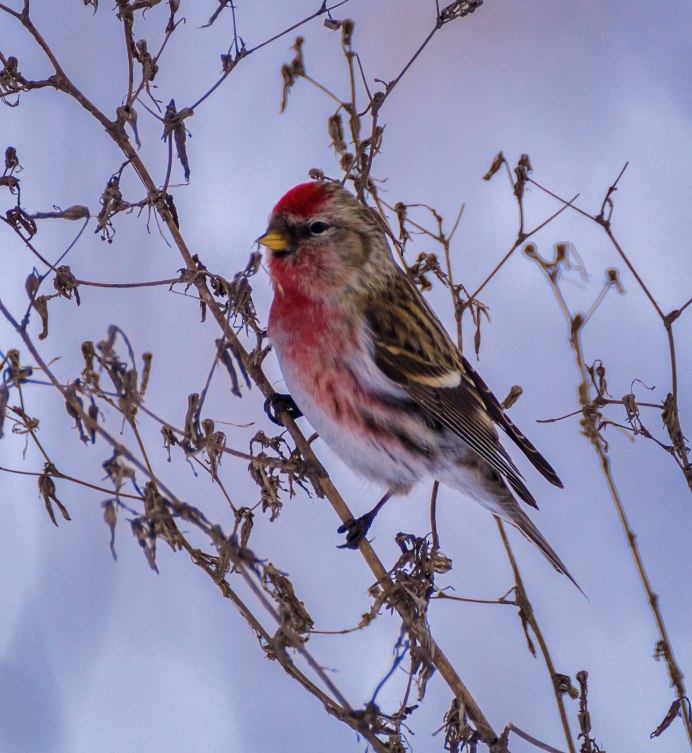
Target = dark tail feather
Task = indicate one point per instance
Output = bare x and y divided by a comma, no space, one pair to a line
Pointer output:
486,486
500,417
522,521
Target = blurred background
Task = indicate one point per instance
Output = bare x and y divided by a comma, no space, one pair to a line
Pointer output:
98,655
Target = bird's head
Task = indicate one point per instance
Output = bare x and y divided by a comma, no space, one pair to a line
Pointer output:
319,239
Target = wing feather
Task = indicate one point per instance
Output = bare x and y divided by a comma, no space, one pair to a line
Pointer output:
412,348
500,417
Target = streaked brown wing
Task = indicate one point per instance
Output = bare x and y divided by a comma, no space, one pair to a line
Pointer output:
413,349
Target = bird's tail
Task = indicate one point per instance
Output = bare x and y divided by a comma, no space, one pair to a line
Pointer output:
519,519
483,484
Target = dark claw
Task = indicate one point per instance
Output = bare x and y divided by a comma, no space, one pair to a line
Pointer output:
355,530
280,403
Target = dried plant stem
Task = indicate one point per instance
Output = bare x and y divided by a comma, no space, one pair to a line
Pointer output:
245,611
458,311
153,283
323,89
339,708
443,595
437,657
666,319
590,420
664,646
322,482
328,489
523,600
521,595
531,739
520,239
245,53
433,515
74,480
133,425
379,98
128,23
29,427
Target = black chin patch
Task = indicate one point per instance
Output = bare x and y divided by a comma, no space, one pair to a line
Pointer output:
282,254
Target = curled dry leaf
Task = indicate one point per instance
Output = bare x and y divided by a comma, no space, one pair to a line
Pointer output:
15,373
291,72
294,616
513,395
117,471
675,710
11,160
65,283
143,531
111,203
496,165
174,127
110,516
47,490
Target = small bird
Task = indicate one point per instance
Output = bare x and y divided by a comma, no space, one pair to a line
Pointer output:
372,368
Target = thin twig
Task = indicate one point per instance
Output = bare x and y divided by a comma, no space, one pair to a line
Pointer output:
527,610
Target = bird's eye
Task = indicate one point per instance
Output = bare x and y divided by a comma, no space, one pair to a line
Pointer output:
317,228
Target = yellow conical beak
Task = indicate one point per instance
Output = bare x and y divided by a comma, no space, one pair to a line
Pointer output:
274,239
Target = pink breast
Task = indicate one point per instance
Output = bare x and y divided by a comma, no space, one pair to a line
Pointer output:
314,343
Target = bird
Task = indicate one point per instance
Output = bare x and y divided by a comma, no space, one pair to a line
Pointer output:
371,367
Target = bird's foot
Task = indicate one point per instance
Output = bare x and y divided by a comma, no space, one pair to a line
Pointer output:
355,530
278,403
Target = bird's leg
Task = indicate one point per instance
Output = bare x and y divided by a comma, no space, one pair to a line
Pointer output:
355,530
278,403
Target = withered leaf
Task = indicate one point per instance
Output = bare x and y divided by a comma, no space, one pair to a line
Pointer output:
673,712
290,72
110,515
46,488
143,531
496,165
513,395
66,283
